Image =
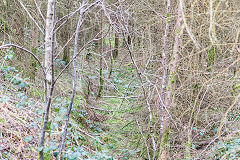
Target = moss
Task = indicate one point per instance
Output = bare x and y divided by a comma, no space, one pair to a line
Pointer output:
66,56
211,57
2,120
187,155
36,92
48,126
101,83
165,139
47,155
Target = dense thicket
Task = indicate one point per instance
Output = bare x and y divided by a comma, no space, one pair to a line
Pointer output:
119,79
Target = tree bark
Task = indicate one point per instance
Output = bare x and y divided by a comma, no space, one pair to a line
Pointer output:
74,81
115,51
171,81
101,80
66,34
18,27
33,62
49,55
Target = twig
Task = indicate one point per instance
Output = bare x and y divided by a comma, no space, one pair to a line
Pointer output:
38,8
26,50
187,27
31,16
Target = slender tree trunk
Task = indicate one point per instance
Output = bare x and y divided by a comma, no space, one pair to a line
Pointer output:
49,54
74,81
33,62
111,56
66,34
116,47
49,42
164,133
101,80
18,26
165,70
171,82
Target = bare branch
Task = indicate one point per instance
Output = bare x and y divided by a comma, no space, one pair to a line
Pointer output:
34,21
39,10
26,50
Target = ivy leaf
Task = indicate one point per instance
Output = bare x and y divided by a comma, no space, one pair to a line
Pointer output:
39,149
8,57
22,85
28,138
58,119
193,146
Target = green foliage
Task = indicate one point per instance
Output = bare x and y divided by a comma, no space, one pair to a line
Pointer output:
74,154
48,126
3,22
168,18
4,99
122,78
234,115
166,137
128,154
229,150
60,62
66,57
11,74
28,138
109,41
9,54
6,155
211,57
36,92
79,152
2,120
47,154
101,85
187,154
172,79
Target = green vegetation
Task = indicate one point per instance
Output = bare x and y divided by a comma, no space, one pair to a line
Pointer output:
119,80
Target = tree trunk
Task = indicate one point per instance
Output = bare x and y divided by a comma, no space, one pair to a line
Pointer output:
18,27
74,80
49,78
164,136
33,62
115,51
171,83
49,42
101,80
66,34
